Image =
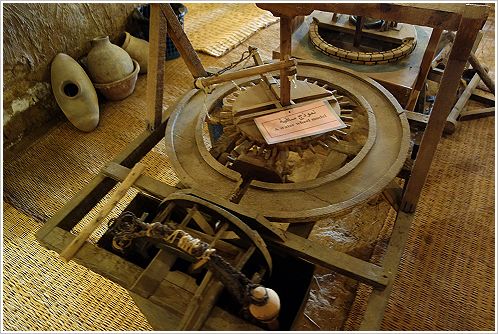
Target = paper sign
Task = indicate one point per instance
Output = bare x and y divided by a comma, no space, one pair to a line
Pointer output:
311,119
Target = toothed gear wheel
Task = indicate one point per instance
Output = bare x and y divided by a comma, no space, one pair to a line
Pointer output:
375,144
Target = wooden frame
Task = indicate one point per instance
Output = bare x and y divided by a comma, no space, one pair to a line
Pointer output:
55,235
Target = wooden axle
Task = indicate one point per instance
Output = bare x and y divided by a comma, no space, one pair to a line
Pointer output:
205,82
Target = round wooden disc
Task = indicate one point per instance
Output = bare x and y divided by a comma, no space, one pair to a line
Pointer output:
294,202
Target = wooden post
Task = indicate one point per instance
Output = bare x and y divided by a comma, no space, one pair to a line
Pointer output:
425,67
285,51
451,121
488,81
182,43
155,74
68,253
360,20
467,32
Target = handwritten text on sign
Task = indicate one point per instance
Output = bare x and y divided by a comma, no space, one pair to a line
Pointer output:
311,119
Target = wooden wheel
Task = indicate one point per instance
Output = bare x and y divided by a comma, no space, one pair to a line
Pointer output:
370,169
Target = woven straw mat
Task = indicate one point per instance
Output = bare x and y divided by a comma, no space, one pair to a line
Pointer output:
217,28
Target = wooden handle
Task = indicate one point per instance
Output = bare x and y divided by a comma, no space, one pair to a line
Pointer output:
247,72
68,253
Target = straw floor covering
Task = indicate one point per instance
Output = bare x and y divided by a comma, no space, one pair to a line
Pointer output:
445,280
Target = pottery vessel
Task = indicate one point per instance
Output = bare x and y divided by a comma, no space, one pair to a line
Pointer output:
120,89
270,309
74,93
108,62
138,49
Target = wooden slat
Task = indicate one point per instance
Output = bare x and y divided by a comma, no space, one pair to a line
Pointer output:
476,113
488,81
377,302
155,72
68,253
452,120
342,263
459,55
182,43
145,183
443,16
425,67
80,204
285,52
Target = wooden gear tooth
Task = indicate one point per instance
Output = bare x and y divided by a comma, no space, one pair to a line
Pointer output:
333,138
346,111
341,132
346,118
312,149
322,143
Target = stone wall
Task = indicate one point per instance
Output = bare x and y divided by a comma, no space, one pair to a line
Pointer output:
32,35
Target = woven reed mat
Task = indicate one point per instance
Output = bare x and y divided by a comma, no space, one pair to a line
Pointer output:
218,28
446,280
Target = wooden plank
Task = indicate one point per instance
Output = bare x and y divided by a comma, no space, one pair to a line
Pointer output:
68,253
476,113
152,276
285,52
145,183
451,121
340,262
360,21
79,205
155,74
182,43
484,97
378,299
425,67
443,16
483,73
417,117
459,55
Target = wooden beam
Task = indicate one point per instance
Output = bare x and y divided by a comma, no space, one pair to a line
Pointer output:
144,182
467,33
285,52
68,253
378,299
483,73
155,74
340,262
452,120
284,65
442,16
360,21
476,113
81,203
425,67
182,43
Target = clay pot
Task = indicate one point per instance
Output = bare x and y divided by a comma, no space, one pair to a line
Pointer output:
120,89
138,49
74,93
108,62
268,311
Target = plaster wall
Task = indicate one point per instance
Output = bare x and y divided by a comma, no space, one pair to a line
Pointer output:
32,35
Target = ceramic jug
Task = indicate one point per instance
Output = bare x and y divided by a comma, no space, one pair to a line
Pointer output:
108,62
138,49
74,93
